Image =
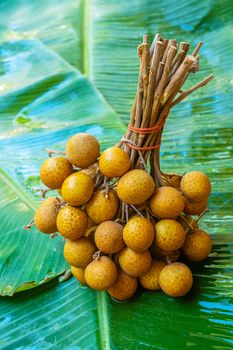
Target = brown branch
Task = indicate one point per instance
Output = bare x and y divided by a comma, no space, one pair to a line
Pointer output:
186,93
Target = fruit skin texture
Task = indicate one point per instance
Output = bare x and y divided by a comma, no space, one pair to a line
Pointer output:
134,264
138,234
100,208
109,237
167,203
197,246
195,208
77,189
176,279
124,288
135,187
151,279
114,162
195,186
46,215
54,171
101,273
82,150
79,253
72,222
169,235
78,273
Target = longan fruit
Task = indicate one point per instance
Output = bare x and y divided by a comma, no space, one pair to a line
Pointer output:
79,253
166,256
72,222
78,273
135,187
101,273
114,162
195,186
195,208
151,279
82,150
124,288
54,171
139,234
169,235
109,237
167,203
176,279
100,208
197,246
77,189
46,215
134,264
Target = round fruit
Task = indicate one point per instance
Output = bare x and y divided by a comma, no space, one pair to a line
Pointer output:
195,208
109,237
101,273
100,208
46,215
78,273
169,235
82,150
138,234
135,187
79,253
72,222
77,189
124,288
166,256
133,263
197,246
114,162
176,279
54,171
167,203
196,186
151,279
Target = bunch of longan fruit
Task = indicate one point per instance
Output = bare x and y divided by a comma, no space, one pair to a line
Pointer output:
121,230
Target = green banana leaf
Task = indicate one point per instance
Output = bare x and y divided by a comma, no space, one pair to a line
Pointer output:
71,66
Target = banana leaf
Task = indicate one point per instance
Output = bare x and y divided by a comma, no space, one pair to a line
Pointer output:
71,66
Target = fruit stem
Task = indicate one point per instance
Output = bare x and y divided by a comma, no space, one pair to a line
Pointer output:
136,210
53,151
29,225
202,214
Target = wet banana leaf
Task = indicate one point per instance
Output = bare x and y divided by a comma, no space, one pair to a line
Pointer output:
71,66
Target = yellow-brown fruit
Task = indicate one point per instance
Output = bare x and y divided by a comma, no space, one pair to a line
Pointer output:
114,162
78,273
151,279
77,189
169,235
72,222
135,187
79,253
54,171
167,203
100,208
133,263
101,273
195,208
46,215
166,256
82,150
138,234
124,288
109,237
176,279
197,246
195,186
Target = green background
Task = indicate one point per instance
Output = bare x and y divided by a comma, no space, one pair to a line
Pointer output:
72,66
